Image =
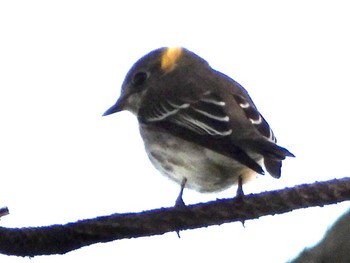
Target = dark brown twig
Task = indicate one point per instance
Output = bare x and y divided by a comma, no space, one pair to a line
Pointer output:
4,211
59,239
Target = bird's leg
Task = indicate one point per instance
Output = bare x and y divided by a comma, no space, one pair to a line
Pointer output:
240,192
179,202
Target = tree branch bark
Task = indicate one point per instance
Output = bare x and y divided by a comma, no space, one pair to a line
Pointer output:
60,239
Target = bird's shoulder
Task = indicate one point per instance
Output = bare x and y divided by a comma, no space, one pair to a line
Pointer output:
214,105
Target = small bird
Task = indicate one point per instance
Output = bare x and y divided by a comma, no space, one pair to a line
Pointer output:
200,128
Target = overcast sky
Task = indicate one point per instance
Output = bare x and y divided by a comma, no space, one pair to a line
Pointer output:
62,64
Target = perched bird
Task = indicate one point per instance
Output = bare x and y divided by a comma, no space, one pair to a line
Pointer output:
200,127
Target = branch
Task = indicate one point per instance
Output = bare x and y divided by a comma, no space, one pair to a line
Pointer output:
334,247
4,211
60,239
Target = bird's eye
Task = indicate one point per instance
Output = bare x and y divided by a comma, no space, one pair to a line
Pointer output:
140,78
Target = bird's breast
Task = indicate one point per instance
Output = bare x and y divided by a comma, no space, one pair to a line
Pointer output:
204,169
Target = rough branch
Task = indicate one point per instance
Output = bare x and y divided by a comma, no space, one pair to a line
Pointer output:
60,239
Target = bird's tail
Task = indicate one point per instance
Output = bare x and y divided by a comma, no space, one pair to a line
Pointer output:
272,153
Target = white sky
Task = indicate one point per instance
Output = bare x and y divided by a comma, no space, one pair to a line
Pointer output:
62,64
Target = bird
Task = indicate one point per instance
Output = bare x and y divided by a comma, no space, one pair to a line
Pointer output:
200,127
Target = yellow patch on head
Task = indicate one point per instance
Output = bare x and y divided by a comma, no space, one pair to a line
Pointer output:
169,58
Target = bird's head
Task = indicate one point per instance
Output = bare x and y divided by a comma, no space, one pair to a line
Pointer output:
144,75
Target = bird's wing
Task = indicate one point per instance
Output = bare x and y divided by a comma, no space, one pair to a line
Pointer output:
205,116
256,119
203,121
273,154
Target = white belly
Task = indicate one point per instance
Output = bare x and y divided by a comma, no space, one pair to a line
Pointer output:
204,169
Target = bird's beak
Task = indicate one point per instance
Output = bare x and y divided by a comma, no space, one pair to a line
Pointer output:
118,106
